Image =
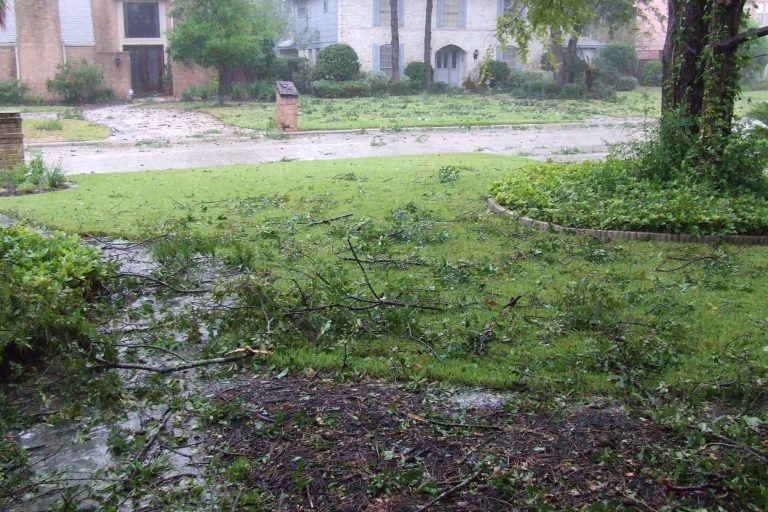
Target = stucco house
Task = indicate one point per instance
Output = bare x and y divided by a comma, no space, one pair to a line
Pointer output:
462,32
127,39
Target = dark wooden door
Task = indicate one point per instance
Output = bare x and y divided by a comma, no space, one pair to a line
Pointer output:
147,65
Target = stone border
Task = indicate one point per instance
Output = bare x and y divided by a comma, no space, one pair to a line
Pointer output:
629,235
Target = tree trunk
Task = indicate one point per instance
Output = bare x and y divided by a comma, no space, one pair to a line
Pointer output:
395,44
428,47
225,79
701,73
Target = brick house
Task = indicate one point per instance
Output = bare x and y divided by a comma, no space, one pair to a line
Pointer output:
462,32
127,39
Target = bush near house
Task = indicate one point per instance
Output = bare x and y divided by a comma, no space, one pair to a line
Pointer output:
652,73
494,72
626,83
79,82
12,91
337,62
340,89
415,72
622,56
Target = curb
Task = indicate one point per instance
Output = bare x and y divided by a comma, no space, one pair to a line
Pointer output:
641,236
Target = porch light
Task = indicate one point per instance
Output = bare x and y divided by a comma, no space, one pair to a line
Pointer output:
118,60
476,54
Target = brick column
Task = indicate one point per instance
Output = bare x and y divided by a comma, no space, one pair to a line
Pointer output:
11,140
287,107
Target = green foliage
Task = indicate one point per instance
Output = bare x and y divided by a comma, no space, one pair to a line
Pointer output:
608,195
575,91
415,72
12,91
494,72
263,90
46,294
78,82
652,73
622,56
224,34
405,88
32,177
189,94
237,92
626,83
337,62
340,89
50,125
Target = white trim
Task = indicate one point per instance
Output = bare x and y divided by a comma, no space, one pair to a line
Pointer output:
136,41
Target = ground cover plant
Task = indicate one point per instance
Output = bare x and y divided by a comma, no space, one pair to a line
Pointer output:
35,176
69,130
641,366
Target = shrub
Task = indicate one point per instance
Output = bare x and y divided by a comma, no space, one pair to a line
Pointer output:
12,91
345,89
608,195
405,88
49,125
544,88
297,72
415,72
518,78
607,71
603,91
494,72
378,83
46,293
78,82
626,83
336,62
262,90
622,56
573,91
652,73
237,92
438,87
189,94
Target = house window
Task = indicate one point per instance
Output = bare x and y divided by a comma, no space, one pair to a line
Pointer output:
385,13
509,55
451,14
385,59
325,5
301,10
142,20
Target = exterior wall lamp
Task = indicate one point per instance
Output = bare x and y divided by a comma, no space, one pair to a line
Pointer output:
118,60
476,54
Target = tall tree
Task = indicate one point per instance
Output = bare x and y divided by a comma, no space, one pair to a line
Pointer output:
223,34
395,43
428,47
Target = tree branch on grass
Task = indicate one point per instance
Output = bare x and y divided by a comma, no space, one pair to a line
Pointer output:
163,283
243,353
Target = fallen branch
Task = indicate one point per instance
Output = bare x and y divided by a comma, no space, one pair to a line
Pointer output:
328,221
422,419
162,283
453,489
151,441
686,264
373,260
244,354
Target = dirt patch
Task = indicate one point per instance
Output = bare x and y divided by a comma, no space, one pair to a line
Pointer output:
316,444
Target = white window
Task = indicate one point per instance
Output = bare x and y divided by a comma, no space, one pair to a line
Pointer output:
451,13
385,59
301,10
509,55
385,13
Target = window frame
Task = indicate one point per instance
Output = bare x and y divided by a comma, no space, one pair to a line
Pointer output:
127,35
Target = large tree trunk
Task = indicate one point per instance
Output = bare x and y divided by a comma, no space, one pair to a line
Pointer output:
395,44
428,47
701,73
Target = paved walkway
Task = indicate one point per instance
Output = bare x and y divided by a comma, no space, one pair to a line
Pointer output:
569,141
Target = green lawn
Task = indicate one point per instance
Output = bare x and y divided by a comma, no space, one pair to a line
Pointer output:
69,130
592,317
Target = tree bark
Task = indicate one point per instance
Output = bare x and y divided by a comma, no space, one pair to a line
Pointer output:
395,44
428,47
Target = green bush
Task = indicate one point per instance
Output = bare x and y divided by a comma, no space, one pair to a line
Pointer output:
622,56
438,87
337,62
345,89
32,177
237,92
544,88
46,294
518,78
78,82
609,195
405,88
12,91
607,71
603,91
626,83
262,90
494,72
652,73
574,91
378,83
189,94
297,72
415,72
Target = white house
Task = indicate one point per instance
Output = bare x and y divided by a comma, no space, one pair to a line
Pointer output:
462,32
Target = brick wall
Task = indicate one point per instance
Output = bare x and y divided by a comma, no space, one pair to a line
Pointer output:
287,113
7,63
116,77
39,42
11,140
186,75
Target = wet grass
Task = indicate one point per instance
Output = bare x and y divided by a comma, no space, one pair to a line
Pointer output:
69,130
592,317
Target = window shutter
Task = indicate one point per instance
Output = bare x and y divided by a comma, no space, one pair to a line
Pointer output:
377,13
499,53
501,7
440,14
376,58
402,60
462,13
401,12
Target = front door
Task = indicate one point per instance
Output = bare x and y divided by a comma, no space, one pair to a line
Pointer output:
449,65
147,63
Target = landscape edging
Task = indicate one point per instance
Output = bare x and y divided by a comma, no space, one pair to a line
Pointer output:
629,235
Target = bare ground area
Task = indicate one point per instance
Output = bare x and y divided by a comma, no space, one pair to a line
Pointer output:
315,444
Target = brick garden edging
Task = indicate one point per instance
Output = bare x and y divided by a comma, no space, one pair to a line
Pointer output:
629,235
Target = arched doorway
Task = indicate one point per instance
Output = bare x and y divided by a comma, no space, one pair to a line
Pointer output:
450,64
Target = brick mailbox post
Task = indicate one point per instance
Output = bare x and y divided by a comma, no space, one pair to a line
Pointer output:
11,140
287,106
